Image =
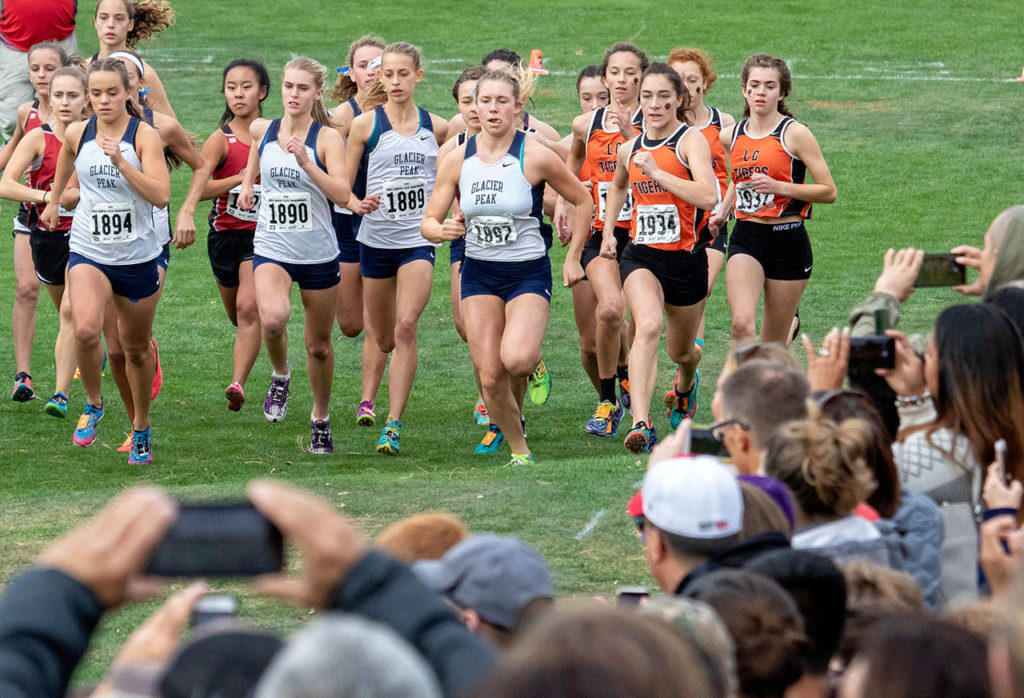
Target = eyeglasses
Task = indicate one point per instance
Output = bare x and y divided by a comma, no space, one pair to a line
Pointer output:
640,536
718,428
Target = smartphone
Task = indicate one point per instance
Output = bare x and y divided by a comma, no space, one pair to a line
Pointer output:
871,352
218,540
941,270
214,607
631,596
1000,449
702,441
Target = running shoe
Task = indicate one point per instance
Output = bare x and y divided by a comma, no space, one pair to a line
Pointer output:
365,415
235,396
641,438
57,406
321,441
275,406
78,374
126,445
518,459
23,391
480,414
103,368
684,405
85,432
539,388
491,442
605,421
388,442
670,395
142,450
624,397
158,374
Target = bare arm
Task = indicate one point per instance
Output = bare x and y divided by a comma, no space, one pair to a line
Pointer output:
215,149
257,129
341,118
553,171
30,147
436,226
441,129
157,96
152,182
358,134
803,144
65,168
181,145
702,190
334,183
19,131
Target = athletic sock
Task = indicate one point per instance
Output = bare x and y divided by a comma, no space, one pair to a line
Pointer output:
622,372
608,390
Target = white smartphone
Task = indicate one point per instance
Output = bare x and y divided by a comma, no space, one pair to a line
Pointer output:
1000,449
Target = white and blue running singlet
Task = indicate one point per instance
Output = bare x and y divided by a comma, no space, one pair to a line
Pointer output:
401,170
294,223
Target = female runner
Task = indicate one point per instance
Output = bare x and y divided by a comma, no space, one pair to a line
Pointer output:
43,60
506,278
664,265
113,246
37,154
178,148
597,137
399,143
301,167
229,244
120,24
358,89
769,154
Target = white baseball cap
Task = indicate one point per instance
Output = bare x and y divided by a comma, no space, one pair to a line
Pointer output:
693,496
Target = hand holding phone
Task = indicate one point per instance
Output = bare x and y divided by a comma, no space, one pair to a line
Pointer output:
941,270
631,596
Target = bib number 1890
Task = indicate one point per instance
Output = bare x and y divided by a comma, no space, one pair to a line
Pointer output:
287,213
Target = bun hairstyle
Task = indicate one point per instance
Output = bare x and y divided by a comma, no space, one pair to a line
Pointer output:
345,87
150,17
624,47
823,464
763,60
114,65
262,76
520,80
318,72
672,76
695,55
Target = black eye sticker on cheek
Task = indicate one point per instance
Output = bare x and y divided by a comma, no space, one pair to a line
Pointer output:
636,80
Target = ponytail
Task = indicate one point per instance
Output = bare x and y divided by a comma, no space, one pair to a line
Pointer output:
318,72
763,60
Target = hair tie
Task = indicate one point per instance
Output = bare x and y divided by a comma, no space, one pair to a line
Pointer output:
131,59
344,70
143,93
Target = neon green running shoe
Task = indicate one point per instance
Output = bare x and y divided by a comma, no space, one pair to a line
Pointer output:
520,459
539,388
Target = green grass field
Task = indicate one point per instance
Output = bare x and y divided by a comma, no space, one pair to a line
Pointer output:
915,109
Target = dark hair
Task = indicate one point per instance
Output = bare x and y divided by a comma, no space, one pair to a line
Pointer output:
150,17
114,65
981,381
761,513
467,75
765,396
763,60
591,71
623,47
262,76
503,54
818,588
599,652
920,656
1010,298
672,76
765,625
62,55
694,547
840,405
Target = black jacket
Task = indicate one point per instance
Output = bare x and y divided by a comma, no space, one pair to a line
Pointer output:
736,556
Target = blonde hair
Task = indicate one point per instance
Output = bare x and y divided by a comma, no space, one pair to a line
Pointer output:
404,49
345,87
823,463
522,81
318,72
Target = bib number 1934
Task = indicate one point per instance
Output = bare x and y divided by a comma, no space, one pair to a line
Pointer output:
656,224
749,201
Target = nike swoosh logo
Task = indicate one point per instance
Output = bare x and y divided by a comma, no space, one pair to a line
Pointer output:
808,269
423,138
507,164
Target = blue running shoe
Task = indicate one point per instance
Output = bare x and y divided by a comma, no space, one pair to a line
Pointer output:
23,391
605,421
388,442
491,442
85,432
684,405
57,406
142,450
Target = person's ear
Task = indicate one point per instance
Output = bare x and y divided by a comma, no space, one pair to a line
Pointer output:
471,620
656,551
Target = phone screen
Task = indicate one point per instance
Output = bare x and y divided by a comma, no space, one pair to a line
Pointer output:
218,540
871,352
940,270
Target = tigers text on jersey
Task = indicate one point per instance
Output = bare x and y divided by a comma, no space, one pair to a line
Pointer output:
768,155
401,170
660,218
502,209
294,222
225,214
113,224
712,132
602,153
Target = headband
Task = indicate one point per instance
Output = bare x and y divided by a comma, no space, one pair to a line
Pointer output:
374,64
131,59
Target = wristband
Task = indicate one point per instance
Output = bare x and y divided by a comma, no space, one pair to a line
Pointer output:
913,400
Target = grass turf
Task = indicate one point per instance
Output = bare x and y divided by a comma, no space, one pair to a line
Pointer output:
917,118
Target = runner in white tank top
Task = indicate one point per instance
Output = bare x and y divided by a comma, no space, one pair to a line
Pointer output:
506,278
121,177
399,144
302,170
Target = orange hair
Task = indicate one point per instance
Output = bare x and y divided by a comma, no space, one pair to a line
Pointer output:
682,54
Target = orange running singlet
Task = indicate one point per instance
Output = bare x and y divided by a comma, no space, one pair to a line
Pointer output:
768,155
602,150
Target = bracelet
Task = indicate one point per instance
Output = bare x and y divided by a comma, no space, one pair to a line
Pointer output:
44,196
913,400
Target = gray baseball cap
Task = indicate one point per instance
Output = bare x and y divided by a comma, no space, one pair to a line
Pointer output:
496,576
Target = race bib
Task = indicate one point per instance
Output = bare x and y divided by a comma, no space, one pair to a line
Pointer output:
749,201
242,214
113,222
287,212
656,224
402,199
494,231
625,214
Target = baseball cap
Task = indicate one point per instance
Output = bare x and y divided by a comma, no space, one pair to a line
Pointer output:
693,496
496,576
